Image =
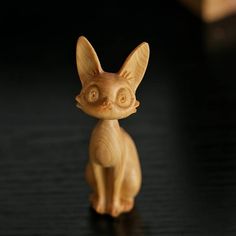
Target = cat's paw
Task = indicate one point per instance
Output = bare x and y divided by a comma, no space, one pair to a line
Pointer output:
115,209
127,204
98,204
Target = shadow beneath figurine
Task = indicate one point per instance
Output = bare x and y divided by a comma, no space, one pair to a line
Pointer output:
127,224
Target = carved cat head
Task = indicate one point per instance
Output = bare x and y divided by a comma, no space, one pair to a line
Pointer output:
109,95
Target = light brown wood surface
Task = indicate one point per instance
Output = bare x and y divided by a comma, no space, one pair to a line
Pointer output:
113,170
211,10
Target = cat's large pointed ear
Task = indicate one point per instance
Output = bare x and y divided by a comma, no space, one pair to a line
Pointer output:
135,65
88,64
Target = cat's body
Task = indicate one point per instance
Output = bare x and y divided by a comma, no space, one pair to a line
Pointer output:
113,170
114,153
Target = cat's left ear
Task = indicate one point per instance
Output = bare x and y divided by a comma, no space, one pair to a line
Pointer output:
135,65
87,60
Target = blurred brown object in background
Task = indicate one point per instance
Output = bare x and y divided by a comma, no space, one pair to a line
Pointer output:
211,10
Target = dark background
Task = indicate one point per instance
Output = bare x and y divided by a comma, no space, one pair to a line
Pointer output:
185,128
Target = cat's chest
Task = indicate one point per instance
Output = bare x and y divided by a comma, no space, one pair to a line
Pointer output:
106,144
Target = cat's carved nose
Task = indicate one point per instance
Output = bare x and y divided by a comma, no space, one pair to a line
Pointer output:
106,103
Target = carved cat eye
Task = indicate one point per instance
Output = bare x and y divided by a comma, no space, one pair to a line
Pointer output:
124,97
92,94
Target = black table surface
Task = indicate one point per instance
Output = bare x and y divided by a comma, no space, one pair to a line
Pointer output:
185,128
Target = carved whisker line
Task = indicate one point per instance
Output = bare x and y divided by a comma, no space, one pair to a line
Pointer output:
126,75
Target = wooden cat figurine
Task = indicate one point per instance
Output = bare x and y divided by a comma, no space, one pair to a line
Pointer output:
113,170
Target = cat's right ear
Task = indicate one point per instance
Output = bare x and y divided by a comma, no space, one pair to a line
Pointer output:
87,61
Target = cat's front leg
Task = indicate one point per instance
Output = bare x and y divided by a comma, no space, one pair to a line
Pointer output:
116,207
98,199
